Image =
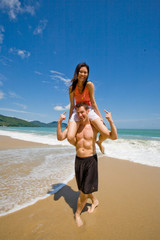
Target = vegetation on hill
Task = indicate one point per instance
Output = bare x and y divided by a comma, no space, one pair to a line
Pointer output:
40,124
52,124
16,122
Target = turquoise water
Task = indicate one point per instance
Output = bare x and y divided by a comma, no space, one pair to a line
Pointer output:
140,133
122,133
26,175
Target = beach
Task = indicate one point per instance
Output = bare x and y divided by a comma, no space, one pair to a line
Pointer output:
129,196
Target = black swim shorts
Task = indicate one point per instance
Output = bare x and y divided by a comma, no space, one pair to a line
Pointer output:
86,171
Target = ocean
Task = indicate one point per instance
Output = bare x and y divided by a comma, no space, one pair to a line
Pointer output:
30,174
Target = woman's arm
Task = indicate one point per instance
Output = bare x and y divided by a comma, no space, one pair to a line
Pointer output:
90,87
71,97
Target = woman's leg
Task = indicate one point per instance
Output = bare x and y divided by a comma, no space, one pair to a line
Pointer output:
72,130
103,130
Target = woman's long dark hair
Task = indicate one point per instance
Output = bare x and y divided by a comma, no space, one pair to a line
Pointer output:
75,77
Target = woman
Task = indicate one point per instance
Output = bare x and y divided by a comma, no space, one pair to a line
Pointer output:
82,90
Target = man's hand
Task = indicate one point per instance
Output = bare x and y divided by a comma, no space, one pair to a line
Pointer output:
62,116
108,115
113,132
61,135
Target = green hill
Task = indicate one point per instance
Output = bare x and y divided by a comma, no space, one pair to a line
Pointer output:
16,122
52,124
40,124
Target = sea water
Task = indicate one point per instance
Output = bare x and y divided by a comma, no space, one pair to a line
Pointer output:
30,174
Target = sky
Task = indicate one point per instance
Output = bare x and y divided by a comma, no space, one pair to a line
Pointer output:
42,41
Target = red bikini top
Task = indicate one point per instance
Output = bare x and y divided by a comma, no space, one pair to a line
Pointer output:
84,97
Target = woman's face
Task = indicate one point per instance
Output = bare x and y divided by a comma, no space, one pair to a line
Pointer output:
83,74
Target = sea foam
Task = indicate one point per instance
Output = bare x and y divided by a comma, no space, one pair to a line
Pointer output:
140,151
27,175
30,174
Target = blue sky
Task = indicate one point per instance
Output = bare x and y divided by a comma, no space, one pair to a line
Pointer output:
41,42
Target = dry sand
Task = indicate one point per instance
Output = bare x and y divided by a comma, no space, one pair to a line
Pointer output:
129,209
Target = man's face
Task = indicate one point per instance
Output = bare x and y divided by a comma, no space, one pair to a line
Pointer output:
82,114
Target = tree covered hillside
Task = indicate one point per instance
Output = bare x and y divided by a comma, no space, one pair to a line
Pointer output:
15,122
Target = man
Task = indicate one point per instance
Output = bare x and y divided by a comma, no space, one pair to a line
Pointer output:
86,169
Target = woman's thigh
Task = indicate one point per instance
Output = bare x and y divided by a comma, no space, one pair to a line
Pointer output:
99,125
72,128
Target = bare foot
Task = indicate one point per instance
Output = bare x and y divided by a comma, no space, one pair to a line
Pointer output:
100,147
78,220
93,206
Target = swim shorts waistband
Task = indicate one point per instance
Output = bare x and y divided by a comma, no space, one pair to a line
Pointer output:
83,158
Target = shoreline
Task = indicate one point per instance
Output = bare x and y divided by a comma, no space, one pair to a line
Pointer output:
129,195
7,142
36,199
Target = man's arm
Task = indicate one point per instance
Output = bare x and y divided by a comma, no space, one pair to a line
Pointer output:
61,135
113,132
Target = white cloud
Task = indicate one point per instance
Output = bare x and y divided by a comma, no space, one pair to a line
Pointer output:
67,107
52,71
5,61
2,77
1,34
38,73
22,53
41,26
14,7
29,9
21,105
58,77
14,95
19,111
46,82
1,95
60,108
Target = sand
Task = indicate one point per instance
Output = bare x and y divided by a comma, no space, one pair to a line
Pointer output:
10,143
129,196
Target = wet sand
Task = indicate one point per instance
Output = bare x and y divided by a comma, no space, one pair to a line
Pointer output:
129,209
10,143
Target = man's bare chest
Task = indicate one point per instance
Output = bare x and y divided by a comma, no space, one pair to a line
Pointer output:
85,132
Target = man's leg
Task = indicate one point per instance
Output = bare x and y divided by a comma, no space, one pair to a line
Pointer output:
95,202
80,205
